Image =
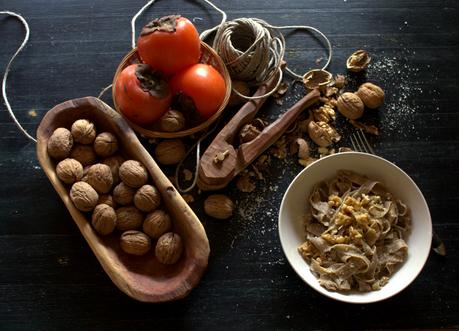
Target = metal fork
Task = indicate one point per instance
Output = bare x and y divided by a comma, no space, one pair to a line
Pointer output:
360,143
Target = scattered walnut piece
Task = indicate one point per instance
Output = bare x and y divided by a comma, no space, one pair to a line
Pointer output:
316,78
83,131
219,206
60,144
83,196
340,81
358,61
103,219
344,149
245,184
303,148
135,242
306,162
369,128
157,223
187,175
324,113
69,171
169,248
188,198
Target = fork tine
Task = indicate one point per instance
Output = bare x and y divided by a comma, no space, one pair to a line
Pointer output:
359,138
364,137
354,145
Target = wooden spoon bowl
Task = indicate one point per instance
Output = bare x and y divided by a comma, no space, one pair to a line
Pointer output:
141,277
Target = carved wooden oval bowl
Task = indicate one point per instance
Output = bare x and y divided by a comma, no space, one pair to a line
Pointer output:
141,277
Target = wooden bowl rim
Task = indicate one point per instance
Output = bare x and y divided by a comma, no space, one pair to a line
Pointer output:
160,134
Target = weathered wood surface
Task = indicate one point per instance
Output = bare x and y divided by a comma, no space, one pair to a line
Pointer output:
49,278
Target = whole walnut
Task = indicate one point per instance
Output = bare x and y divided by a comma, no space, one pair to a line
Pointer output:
172,121
105,144
147,198
219,206
169,248
60,144
123,194
106,199
103,219
83,131
372,95
350,105
157,223
114,162
133,173
100,177
135,242
170,151
128,218
69,171
83,154
83,196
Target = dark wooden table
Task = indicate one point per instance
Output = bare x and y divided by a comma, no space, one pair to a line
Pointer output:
49,278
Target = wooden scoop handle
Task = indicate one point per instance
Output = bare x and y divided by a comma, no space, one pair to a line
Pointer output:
249,151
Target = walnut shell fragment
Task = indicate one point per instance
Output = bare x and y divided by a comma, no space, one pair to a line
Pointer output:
69,171
317,78
60,144
358,61
169,248
135,242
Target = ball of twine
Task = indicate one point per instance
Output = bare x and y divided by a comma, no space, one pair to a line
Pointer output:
251,49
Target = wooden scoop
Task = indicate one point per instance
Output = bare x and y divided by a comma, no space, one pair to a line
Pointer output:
216,175
141,277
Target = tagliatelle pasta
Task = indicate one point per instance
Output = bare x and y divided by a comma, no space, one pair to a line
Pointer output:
355,233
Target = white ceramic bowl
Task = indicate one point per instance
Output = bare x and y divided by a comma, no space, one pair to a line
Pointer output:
293,208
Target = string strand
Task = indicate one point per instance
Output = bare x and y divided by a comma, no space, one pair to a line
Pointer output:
7,70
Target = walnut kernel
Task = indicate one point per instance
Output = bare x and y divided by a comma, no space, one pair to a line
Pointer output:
219,206
135,242
60,143
169,248
172,121
100,177
123,194
350,105
83,131
157,223
133,173
84,154
69,171
105,144
170,151
147,198
83,196
372,95
128,218
103,219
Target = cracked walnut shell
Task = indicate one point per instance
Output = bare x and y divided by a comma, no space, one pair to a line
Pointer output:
83,196
157,223
133,173
147,198
103,219
100,177
169,248
83,131
105,144
128,218
372,95
358,61
60,144
69,171
135,242
350,105
219,206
